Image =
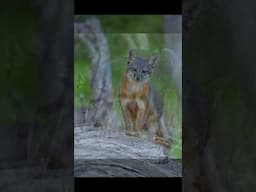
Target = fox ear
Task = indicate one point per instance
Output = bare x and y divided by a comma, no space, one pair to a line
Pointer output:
132,54
153,60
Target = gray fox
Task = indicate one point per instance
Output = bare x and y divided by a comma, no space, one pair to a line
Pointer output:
142,106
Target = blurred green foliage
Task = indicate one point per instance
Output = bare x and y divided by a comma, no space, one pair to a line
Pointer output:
18,77
127,23
119,47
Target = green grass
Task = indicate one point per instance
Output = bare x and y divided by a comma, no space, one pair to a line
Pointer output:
81,84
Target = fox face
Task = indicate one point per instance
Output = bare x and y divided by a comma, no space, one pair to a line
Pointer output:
140,69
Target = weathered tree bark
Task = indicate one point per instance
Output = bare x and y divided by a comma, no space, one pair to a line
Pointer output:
127,168
101,85
102,152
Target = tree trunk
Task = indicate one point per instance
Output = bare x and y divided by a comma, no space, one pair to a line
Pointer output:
173,38
101,85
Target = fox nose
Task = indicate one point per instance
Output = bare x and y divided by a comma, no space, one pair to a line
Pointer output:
137,78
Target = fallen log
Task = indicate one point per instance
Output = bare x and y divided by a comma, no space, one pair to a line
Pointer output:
101,152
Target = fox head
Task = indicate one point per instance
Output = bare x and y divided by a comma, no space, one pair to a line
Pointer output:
140,69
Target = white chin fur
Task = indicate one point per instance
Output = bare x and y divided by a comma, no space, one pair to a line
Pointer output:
130,77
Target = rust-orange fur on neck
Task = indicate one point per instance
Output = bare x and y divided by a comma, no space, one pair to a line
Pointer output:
127,93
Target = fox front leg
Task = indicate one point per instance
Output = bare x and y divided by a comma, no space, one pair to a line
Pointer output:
140,118
128,118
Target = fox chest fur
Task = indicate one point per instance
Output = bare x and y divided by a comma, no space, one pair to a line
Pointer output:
133,96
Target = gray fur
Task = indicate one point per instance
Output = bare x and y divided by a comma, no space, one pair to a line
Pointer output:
141,69
157,100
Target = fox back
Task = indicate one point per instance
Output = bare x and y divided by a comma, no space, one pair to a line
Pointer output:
142,106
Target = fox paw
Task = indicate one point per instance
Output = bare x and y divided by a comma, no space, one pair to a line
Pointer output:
134,133
162,141
130,133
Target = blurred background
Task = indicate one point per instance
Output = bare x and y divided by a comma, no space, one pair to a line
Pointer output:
111,37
